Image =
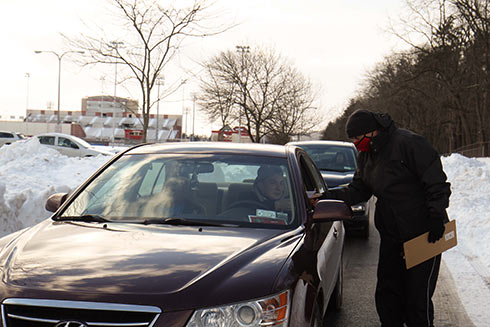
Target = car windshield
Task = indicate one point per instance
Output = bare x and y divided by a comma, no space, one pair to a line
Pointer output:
222,189
332,157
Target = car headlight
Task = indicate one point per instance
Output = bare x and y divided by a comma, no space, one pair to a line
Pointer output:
358,208
270,311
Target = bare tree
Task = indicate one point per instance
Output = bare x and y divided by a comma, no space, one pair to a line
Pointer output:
152,36
218,93
261,89
439,87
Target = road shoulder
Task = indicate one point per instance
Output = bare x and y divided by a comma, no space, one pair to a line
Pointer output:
449,310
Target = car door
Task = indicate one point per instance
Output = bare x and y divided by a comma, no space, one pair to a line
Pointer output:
48,140
7,138
68,147
328,238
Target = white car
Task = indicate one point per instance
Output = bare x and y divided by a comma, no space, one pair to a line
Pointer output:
70,145
10,137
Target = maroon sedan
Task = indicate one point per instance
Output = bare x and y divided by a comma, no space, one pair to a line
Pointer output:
195,234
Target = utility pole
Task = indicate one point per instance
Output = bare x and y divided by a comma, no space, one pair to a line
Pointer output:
194,98
186,118
160,81
115,45
183,110
242,49
27,103
27,96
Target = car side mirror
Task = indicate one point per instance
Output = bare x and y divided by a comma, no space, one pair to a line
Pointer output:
331,210
74,146
55,201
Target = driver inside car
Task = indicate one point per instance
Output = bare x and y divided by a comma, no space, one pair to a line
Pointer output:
267,202
269,188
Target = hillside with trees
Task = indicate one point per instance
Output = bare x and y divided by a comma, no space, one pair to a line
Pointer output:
439,88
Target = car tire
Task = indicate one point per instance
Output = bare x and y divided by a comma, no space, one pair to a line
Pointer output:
338,292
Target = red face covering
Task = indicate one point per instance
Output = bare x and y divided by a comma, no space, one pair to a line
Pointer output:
363,144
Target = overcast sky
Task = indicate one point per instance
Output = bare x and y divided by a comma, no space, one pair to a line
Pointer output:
332,42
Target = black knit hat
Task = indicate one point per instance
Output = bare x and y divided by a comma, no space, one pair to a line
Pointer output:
361,122
268,171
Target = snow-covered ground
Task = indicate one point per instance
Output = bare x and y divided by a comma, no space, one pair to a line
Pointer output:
29,173
469,262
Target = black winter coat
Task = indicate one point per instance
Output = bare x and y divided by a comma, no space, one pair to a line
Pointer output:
405,174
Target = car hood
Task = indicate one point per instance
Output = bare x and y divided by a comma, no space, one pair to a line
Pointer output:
334,179
145,262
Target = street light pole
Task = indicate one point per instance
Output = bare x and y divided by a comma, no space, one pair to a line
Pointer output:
27,96
242,49
115,45
160,81
27,104
194,98
59,56
183,110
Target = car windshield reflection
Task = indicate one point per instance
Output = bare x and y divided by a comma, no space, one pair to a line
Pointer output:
214,190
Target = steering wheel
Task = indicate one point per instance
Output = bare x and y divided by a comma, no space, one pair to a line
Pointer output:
245,203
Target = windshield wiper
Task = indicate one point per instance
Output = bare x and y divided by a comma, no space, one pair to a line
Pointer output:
183,222
84,218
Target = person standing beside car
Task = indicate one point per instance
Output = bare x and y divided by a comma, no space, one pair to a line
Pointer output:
405,174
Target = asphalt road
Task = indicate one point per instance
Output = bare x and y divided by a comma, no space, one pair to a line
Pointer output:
360,262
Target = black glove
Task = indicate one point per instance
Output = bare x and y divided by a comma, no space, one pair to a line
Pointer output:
436,229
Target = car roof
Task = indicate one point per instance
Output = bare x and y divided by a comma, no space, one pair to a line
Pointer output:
54,134
268,150
323,142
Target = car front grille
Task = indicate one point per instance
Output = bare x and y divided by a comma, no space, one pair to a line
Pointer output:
50,313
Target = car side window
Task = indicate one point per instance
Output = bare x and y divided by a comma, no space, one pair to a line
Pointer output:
64,142
48,140
311,177
6,135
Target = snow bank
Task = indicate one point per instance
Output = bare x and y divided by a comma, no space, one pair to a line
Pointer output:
469,262
470,203
29,174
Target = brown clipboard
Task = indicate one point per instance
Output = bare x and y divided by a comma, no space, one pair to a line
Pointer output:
418,249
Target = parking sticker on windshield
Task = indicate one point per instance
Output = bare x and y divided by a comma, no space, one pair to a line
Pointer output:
266,213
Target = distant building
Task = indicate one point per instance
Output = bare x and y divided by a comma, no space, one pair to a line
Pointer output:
105,119
107,106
